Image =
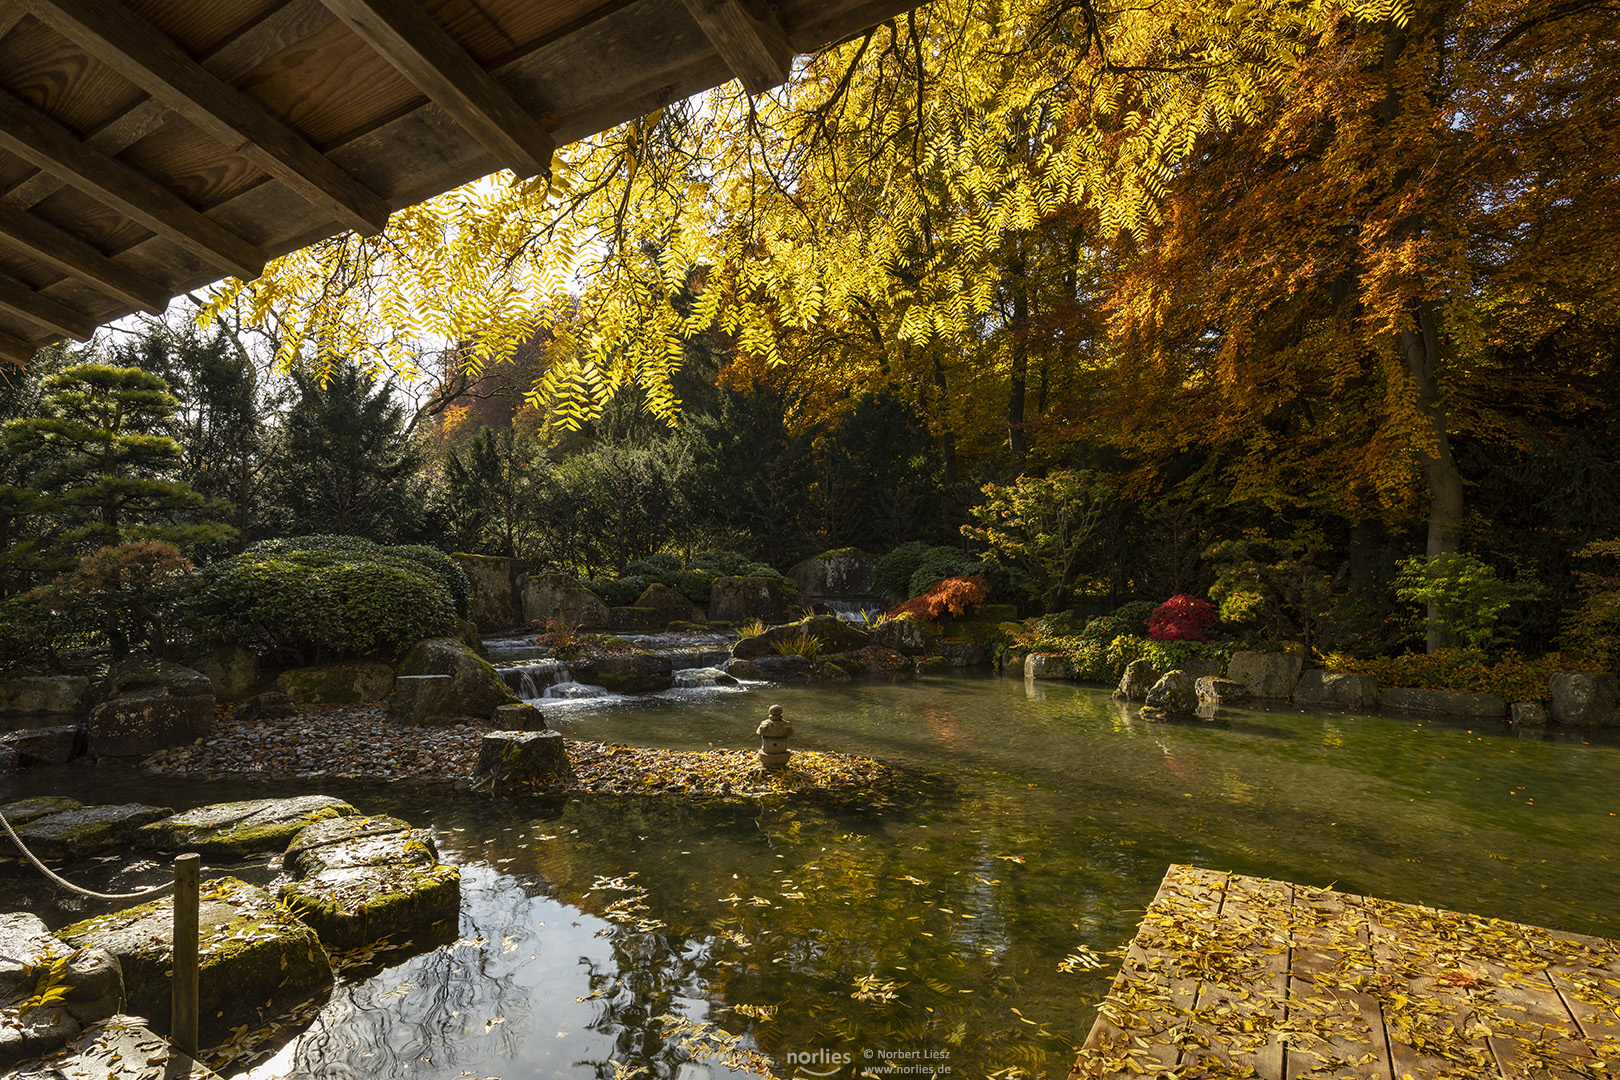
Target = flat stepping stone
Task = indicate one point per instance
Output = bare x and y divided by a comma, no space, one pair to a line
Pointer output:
257,961
358,905
26,810
239,829
88,829
340,830
118,1048
389,841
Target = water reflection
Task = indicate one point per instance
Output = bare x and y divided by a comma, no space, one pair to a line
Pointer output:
938,927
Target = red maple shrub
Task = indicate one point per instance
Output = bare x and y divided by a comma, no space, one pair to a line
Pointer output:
1182,618
953,596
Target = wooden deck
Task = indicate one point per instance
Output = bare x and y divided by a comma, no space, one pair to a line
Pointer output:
1233,976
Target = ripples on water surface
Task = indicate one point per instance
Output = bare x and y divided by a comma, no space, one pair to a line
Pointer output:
1058,817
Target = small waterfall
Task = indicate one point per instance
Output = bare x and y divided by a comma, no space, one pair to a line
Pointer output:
701,657
854,611
532,679
703,676
573,691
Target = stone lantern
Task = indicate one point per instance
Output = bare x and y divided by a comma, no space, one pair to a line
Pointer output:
774,733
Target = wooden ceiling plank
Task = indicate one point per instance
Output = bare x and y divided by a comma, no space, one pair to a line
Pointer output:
38,139
11,13
38,308
69,254
132,47
15,349
408,38
749,38
237,57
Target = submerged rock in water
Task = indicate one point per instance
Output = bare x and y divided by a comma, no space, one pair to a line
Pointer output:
37,807
118,1048
257,961
834,635
46,745
1174,695
1138,679
87,830
636,672
242,828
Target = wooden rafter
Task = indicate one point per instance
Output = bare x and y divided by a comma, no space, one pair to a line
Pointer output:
132,47
15,349
408,38
40,309
749,38
36,138
73,256
288,25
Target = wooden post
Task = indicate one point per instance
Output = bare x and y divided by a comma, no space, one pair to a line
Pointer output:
183,983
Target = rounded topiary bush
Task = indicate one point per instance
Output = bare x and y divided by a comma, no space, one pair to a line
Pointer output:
308,599
329,547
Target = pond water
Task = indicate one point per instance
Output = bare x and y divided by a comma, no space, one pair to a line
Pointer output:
933,935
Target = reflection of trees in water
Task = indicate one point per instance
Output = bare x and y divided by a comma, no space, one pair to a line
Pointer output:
414,1019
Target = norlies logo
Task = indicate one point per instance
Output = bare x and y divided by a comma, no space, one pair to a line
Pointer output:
832,1060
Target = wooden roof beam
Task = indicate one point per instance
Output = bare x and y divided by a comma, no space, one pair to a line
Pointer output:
41,141
15,349
133,48
67,253
38,308
407,37
749,38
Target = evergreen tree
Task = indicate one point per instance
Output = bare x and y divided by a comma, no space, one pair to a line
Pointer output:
346,464
491,486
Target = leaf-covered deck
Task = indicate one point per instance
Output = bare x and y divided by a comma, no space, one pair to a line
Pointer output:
1233,976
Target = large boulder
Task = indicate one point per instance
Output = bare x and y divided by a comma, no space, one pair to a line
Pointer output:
739,599
835,635
634,619
92,979
1137,679
1214,691
494,590
558,596
153,705
45,745
476,688
238,829
1447,702
1266,674
903,635
670,606
87,830
961,654
510,760
1199,667
361,879
1351,690
773,668
270,705
1580,699
425,701
1528,714
1175,695
233,670
518,716
337,684
637,672
1040,665
256,961
843,574
49,698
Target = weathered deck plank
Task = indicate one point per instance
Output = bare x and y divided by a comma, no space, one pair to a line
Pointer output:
1232,976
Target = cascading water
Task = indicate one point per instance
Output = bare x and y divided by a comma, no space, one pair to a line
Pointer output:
854,611
702,676
533,678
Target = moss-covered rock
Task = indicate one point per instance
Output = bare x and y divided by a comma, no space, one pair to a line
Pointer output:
25,810
634,618
337,684
257,961
44,695
738,599
87,830
558,596
475,689
636,672
244,828
90,979
493,590
153,705
671,607
401,845
356,905
233,671
834,635
844,573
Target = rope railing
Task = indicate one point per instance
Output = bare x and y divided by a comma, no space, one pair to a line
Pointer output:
183,979
56,879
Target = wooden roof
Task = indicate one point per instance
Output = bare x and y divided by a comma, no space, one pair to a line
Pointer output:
150,147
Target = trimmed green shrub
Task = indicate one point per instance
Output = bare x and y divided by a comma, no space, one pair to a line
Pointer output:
1512,677
1103,629
891,575
695,580
1094,660
332,547
332,599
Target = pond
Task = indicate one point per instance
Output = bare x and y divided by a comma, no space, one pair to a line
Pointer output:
948,935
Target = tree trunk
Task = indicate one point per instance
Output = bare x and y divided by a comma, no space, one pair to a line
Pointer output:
1017,442
1421,346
